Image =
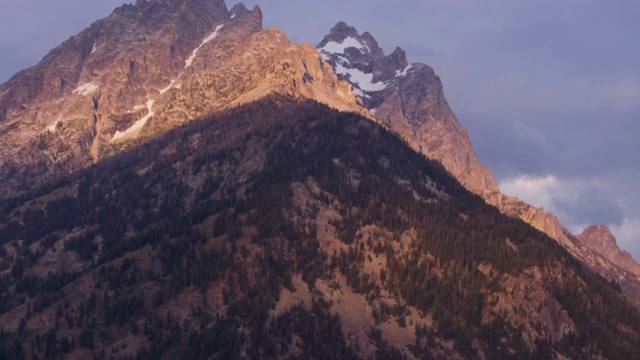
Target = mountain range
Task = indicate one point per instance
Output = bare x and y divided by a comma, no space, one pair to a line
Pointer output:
180,182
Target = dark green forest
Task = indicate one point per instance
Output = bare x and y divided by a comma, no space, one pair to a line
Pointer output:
209,208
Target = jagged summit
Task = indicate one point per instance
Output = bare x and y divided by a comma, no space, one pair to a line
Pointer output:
154,11
408,98
239,10
345,36
600,238
353,56
142,70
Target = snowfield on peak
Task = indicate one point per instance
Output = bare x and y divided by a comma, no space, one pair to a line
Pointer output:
194,53
361,79
333,47
404,72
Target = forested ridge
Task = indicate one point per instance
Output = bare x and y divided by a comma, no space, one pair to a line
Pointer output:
190,245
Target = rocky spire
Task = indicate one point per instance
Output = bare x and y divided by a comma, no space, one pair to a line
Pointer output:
238,10
408,98
346,38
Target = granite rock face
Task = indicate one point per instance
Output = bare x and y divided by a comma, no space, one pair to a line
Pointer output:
142,70
409,99
599,239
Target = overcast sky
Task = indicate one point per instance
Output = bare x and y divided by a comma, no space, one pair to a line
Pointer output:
549,90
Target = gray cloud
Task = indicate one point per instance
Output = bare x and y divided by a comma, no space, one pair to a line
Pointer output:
567,143
30,28
591,206
544,87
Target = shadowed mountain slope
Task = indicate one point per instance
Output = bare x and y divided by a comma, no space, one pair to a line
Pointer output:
284,228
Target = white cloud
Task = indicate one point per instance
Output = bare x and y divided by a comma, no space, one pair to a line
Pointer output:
579,203
628,236
538,191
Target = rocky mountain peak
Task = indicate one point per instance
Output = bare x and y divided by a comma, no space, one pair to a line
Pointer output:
142,70
400,57
344,39
340,32
239,10
372,44
387,68
599,238
162,9
408,98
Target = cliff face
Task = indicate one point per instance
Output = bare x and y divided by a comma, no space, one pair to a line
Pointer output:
144,69
407,98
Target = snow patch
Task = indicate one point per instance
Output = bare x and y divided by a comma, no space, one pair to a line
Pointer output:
171,85
359,92
361,79
233,16
194,53
403,73
94,49
136,108
373,112
137,125
333,47
86,89
53,127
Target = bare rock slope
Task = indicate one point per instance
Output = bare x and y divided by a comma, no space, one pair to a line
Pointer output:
142,70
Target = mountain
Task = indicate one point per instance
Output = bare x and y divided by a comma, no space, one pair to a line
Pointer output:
158,64
181,183
604,251
144,69
283,228
409,99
